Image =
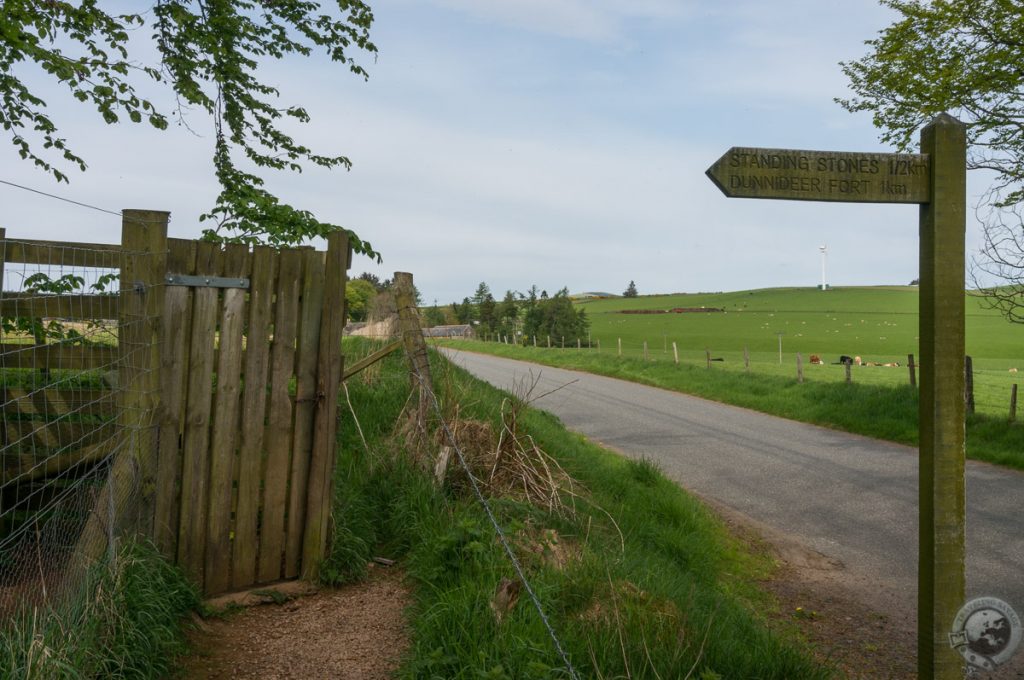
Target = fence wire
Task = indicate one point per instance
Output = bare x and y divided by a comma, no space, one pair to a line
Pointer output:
427,388
74,446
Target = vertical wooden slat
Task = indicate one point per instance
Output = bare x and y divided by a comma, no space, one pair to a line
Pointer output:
195,454
279,420
181,259
305,402
224,434
325,428
254,408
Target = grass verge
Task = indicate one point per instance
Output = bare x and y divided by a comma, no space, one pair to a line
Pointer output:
124,623
882,411
661,591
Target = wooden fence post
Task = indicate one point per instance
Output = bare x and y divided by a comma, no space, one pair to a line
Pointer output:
1013,403
133,471
549,342
912,368
799,368
563,342
535,341
969,384
746,359
645,350
415,346
848,365
620,348
330,366
675,352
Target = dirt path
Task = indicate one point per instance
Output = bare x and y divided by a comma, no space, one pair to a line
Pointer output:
357,632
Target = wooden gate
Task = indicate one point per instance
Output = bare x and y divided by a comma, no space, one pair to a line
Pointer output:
250,366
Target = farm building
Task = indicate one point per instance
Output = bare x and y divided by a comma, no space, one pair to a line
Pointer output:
456,331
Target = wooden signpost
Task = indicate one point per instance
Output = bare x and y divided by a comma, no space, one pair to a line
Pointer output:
937,180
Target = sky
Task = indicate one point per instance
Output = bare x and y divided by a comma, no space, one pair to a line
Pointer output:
561,143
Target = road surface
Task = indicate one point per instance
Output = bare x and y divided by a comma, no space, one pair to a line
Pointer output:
848,497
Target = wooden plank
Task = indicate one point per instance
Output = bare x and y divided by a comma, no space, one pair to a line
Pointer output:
68,254
58,356
57,402
26,468
224,436
279,419
254,407
371,359
76,307
325,421
305,405
195,452
174,370
56,434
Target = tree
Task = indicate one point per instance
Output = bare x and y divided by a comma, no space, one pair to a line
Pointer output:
508,314
358,296
488,314
630,291
964,57
482,291
209,55
433,316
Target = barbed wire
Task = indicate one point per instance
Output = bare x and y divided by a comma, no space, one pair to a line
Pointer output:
502,537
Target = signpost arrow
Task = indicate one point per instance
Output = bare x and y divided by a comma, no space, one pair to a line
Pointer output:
937,179
793,174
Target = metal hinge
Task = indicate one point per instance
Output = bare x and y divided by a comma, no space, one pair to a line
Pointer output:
206,281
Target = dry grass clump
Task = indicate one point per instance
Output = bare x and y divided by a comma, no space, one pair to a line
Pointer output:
508,464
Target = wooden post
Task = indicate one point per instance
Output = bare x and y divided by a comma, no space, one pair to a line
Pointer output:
1013,403
941,580
746,359
645,350
549,342
415,346
535,341
330,366
707,355
577,345
620,348
849,377
969,384
912,368
675,352
563,342
799,368
133,471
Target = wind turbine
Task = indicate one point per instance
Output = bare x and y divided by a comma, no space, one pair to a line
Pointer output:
824,256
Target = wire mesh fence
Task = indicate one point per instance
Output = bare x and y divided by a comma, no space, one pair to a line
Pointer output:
74,444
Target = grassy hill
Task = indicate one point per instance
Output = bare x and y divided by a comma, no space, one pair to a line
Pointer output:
878,323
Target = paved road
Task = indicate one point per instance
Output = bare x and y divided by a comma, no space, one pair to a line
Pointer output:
848,497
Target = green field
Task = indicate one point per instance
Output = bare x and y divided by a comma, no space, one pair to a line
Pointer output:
879,324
